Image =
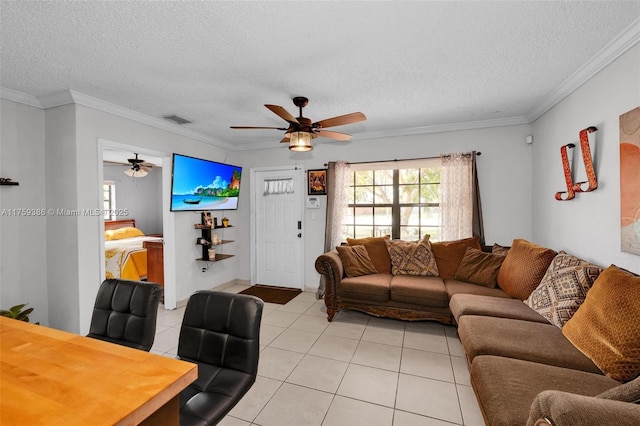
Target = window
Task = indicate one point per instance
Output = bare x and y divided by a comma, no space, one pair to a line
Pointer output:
109,200
400,199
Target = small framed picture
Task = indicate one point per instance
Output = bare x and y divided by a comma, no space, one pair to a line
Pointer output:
207,220
317,182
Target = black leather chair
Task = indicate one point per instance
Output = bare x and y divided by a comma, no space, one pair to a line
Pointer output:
125,313
221,333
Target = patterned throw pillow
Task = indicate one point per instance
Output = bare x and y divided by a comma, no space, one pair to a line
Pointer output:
412,257
563,288
523,268
356,261
606,327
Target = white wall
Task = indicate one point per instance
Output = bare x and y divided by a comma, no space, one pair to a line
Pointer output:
63,252
504,170
589,225
142,197
23,246
54,262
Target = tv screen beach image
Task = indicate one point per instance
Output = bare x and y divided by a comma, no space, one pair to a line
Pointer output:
204,185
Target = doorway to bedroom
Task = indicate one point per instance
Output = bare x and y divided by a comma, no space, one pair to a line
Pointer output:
131,192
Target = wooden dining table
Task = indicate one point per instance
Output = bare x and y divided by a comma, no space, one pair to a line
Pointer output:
52,377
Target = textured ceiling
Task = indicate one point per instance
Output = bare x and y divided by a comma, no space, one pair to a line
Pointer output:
403,64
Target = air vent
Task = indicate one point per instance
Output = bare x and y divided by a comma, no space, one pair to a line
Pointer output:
176,119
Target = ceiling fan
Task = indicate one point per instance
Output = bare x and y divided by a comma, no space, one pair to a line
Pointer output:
301,129
138,167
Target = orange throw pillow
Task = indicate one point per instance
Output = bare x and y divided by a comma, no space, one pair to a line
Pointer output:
449,254
606,328
478,267
523,268
377,250
356,261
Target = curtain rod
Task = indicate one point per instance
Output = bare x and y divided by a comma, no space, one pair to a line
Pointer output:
406,159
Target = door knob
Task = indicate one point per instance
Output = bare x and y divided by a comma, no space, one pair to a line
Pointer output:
299,235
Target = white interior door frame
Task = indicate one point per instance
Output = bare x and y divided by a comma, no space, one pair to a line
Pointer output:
255,191
168,219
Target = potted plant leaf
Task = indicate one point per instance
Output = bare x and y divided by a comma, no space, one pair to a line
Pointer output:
17,312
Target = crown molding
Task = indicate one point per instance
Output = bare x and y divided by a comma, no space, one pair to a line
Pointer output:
56,99
19,97
159,123
72,97
440,128
623,42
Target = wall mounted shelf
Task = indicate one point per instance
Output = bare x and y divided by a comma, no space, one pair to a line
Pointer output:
205,240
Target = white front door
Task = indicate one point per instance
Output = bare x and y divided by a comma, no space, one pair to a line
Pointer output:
278,230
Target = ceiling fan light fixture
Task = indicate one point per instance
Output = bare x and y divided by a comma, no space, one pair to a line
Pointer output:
140,173
136,170
136,173
300,141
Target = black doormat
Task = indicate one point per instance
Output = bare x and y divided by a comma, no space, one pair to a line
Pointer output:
270,294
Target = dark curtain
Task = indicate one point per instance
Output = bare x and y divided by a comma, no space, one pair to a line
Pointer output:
478,225
328,226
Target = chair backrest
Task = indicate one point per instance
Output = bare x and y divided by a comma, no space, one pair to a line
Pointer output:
125,313
222,329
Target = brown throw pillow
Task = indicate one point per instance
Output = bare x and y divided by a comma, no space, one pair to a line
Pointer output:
606,327
449,254
356,261
478,267
412,257
498,249
523,268
377,250
563,288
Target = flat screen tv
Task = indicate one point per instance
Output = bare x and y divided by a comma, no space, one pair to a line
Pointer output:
198,184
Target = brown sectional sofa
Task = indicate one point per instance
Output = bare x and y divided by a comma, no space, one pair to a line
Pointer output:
523,369
405,297
393,296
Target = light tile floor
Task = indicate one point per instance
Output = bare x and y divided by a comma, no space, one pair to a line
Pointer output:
355,370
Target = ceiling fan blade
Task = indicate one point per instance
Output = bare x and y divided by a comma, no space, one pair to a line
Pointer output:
333,135
145,168
254,127
341,120
282,113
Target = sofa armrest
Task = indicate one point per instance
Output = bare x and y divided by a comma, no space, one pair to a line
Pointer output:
566,409
330,267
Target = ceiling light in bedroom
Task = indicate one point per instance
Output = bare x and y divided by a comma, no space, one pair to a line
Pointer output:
138,169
